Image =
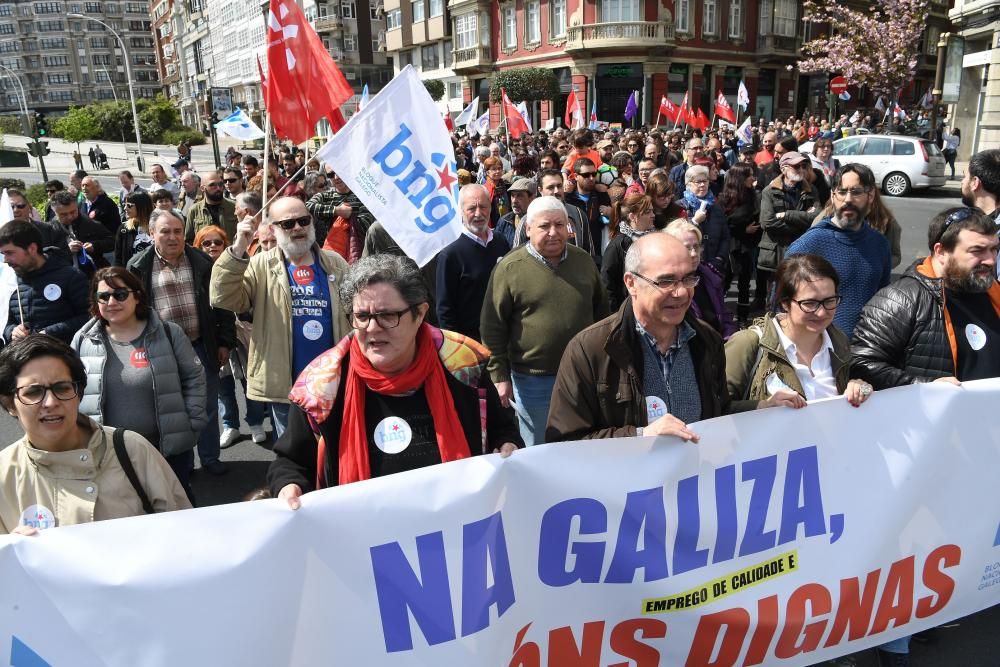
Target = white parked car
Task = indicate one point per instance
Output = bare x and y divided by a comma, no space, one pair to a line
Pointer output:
900,163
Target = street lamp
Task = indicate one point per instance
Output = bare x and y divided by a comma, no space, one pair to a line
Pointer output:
24,102
128,75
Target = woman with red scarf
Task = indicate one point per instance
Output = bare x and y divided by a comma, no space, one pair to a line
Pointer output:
396,394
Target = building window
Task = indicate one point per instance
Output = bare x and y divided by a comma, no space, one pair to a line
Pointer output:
55,61
709,18
510,27
454,90
448,55
347,10
736,18
557,18
683,9
52,43
466,31
50,26
7,29
437,8
429,57
393,19
59,78
47,8
60,96
933,35
616,11
784,17
417,9
6,10
532,22
350,43
405,58
373,11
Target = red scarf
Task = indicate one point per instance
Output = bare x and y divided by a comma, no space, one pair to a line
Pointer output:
425,370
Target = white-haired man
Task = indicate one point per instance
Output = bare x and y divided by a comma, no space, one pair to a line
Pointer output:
292,291
464,267
539,296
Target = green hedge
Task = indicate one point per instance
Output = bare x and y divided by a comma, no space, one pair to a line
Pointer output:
188,134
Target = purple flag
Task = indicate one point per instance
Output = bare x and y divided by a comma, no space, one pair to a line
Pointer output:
632,107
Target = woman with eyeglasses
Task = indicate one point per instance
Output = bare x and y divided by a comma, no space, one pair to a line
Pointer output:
133,236
798,355
699,203
67,468
395,394
211,240
631,218
142,372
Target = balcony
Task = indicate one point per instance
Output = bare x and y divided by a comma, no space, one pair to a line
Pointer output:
774,48
476,59
630,34
329,23
464,6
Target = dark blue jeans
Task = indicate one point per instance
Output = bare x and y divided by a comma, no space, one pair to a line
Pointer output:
208,439
230,409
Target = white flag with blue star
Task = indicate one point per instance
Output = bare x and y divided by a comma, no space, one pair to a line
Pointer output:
397,157
239,126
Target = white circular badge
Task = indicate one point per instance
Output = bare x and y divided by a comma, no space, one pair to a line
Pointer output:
38,516
656,407
52,291
312,330
975,336
393,435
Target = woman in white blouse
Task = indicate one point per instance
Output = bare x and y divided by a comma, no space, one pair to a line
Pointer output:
798,355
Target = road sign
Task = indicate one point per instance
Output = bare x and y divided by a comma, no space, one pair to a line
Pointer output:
838,85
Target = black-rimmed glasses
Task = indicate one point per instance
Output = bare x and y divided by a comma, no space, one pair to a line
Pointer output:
33,394
387,319
689,281
812,305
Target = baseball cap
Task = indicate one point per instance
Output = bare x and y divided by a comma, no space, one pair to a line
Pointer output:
792,158
605,143
180,163
523,185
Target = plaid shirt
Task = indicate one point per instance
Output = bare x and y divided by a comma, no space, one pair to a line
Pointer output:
323,204
174,294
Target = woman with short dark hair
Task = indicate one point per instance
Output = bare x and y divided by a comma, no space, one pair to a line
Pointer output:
396,394
799,354
144,375
68,469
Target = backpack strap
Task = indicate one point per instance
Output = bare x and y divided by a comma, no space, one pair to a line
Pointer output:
119,441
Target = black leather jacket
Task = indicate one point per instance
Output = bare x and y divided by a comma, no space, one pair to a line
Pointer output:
900,338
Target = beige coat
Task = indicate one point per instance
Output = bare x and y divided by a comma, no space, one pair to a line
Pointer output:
260,284
82,485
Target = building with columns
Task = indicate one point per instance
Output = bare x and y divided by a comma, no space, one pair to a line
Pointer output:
974,104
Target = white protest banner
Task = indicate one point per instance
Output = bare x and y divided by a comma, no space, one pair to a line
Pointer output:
396,155
784,537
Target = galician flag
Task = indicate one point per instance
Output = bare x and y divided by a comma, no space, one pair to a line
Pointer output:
239,126
398,159
468,113
593,115
363,100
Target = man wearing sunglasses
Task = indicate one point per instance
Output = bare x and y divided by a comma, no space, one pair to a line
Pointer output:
859,253
293,292
941,320
232,178
650,368
23,210
595,205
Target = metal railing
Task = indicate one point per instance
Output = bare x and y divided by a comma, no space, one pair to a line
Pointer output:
472,56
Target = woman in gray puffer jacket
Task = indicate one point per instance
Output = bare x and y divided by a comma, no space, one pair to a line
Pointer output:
142,373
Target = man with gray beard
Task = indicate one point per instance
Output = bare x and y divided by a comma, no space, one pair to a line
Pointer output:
941,320
859,253
292,290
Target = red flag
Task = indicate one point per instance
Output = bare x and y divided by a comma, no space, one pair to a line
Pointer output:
515,124
698,120
684,113
304,84
668,108
448,122
574,113
723,110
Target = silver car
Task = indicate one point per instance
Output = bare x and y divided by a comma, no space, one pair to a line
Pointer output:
900,163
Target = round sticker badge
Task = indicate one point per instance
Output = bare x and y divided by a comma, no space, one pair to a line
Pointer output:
976,337
303,275
38,516
52,291
138,358
655,408
312,330
393,435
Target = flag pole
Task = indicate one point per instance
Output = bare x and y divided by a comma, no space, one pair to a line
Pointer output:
267,150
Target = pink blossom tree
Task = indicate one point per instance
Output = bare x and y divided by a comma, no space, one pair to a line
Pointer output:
878,49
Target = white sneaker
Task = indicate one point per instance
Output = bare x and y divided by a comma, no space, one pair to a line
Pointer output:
257,434
229,437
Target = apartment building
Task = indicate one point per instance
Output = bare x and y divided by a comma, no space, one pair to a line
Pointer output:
972,87
63,61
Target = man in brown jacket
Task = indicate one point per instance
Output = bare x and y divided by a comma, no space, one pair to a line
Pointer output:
649,369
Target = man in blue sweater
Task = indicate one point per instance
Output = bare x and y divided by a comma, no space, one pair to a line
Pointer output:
860,254
464,267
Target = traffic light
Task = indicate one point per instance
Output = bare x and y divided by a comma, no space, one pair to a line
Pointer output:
41,125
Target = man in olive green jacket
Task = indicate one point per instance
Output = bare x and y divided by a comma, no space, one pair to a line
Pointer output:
292,290
212,209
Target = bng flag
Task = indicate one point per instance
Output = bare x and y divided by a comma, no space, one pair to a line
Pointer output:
397,157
